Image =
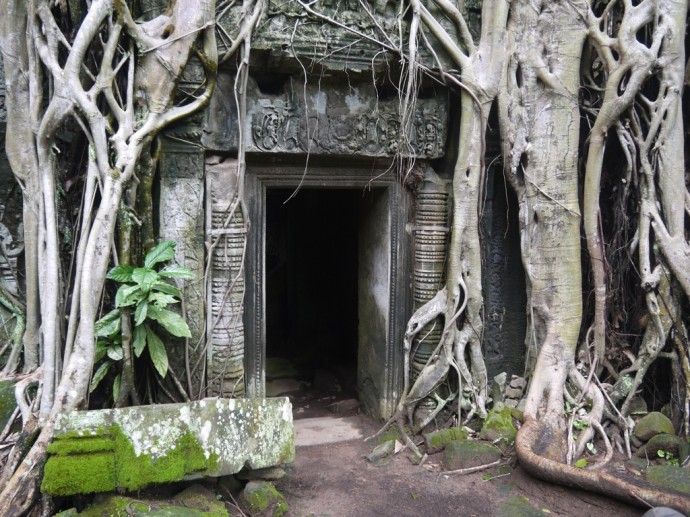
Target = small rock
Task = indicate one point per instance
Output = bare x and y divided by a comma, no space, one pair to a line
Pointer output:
462,454
638,406
267,474
662,511
517,414
517,382
651,425
278,387
344,406
436,441
668,443
498,425
513,393
381,452
498,387
263,500
511,403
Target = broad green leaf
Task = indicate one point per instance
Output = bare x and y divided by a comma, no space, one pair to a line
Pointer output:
162,300
115,353
161,253
108,324
170,321
101,348
141,312
166,288
121,273
176,271
145,277
139,341
116,386
581,463
98,376
159,356
128,295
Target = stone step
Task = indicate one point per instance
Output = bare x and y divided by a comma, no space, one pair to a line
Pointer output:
327,429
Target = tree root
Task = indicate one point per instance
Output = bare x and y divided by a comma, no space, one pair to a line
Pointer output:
637,493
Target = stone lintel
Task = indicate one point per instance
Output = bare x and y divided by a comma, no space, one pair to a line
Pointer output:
327,117
130,448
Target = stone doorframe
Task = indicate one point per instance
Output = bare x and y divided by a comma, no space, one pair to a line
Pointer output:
263,176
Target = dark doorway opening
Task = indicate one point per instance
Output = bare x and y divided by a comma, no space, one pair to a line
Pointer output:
312,293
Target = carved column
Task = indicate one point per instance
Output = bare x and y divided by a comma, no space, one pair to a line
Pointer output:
226,238
430,248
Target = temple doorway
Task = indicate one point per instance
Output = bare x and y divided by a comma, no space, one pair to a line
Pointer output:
327,271
312,288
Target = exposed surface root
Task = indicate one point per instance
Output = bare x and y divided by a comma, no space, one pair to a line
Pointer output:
620,485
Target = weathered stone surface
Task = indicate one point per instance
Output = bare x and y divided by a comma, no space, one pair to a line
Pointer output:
97,451
436,441
498,387
498,425
669,476
669,443
268,474
651,425
462,454
336,118
181,216
226,240
382,452
263,500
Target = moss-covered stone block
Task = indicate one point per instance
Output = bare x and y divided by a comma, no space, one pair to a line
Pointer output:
263,500
436,441
462,454
668,443
131,448
498,425
669,477
195,501
651,425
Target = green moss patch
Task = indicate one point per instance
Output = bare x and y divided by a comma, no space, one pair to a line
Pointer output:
436,441
107,462
83,474
670,477
498,425
462,454
262,498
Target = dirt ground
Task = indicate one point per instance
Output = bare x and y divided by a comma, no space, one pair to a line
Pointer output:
337,480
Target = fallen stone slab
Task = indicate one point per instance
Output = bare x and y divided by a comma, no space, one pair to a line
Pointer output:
130,448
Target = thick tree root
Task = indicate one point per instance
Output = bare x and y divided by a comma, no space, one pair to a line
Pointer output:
639,492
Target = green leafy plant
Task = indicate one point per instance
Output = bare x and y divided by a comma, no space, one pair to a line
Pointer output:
581,463
668,457
145,295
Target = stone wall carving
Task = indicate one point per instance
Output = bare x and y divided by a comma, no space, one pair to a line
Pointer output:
328,118
339,121
181,216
